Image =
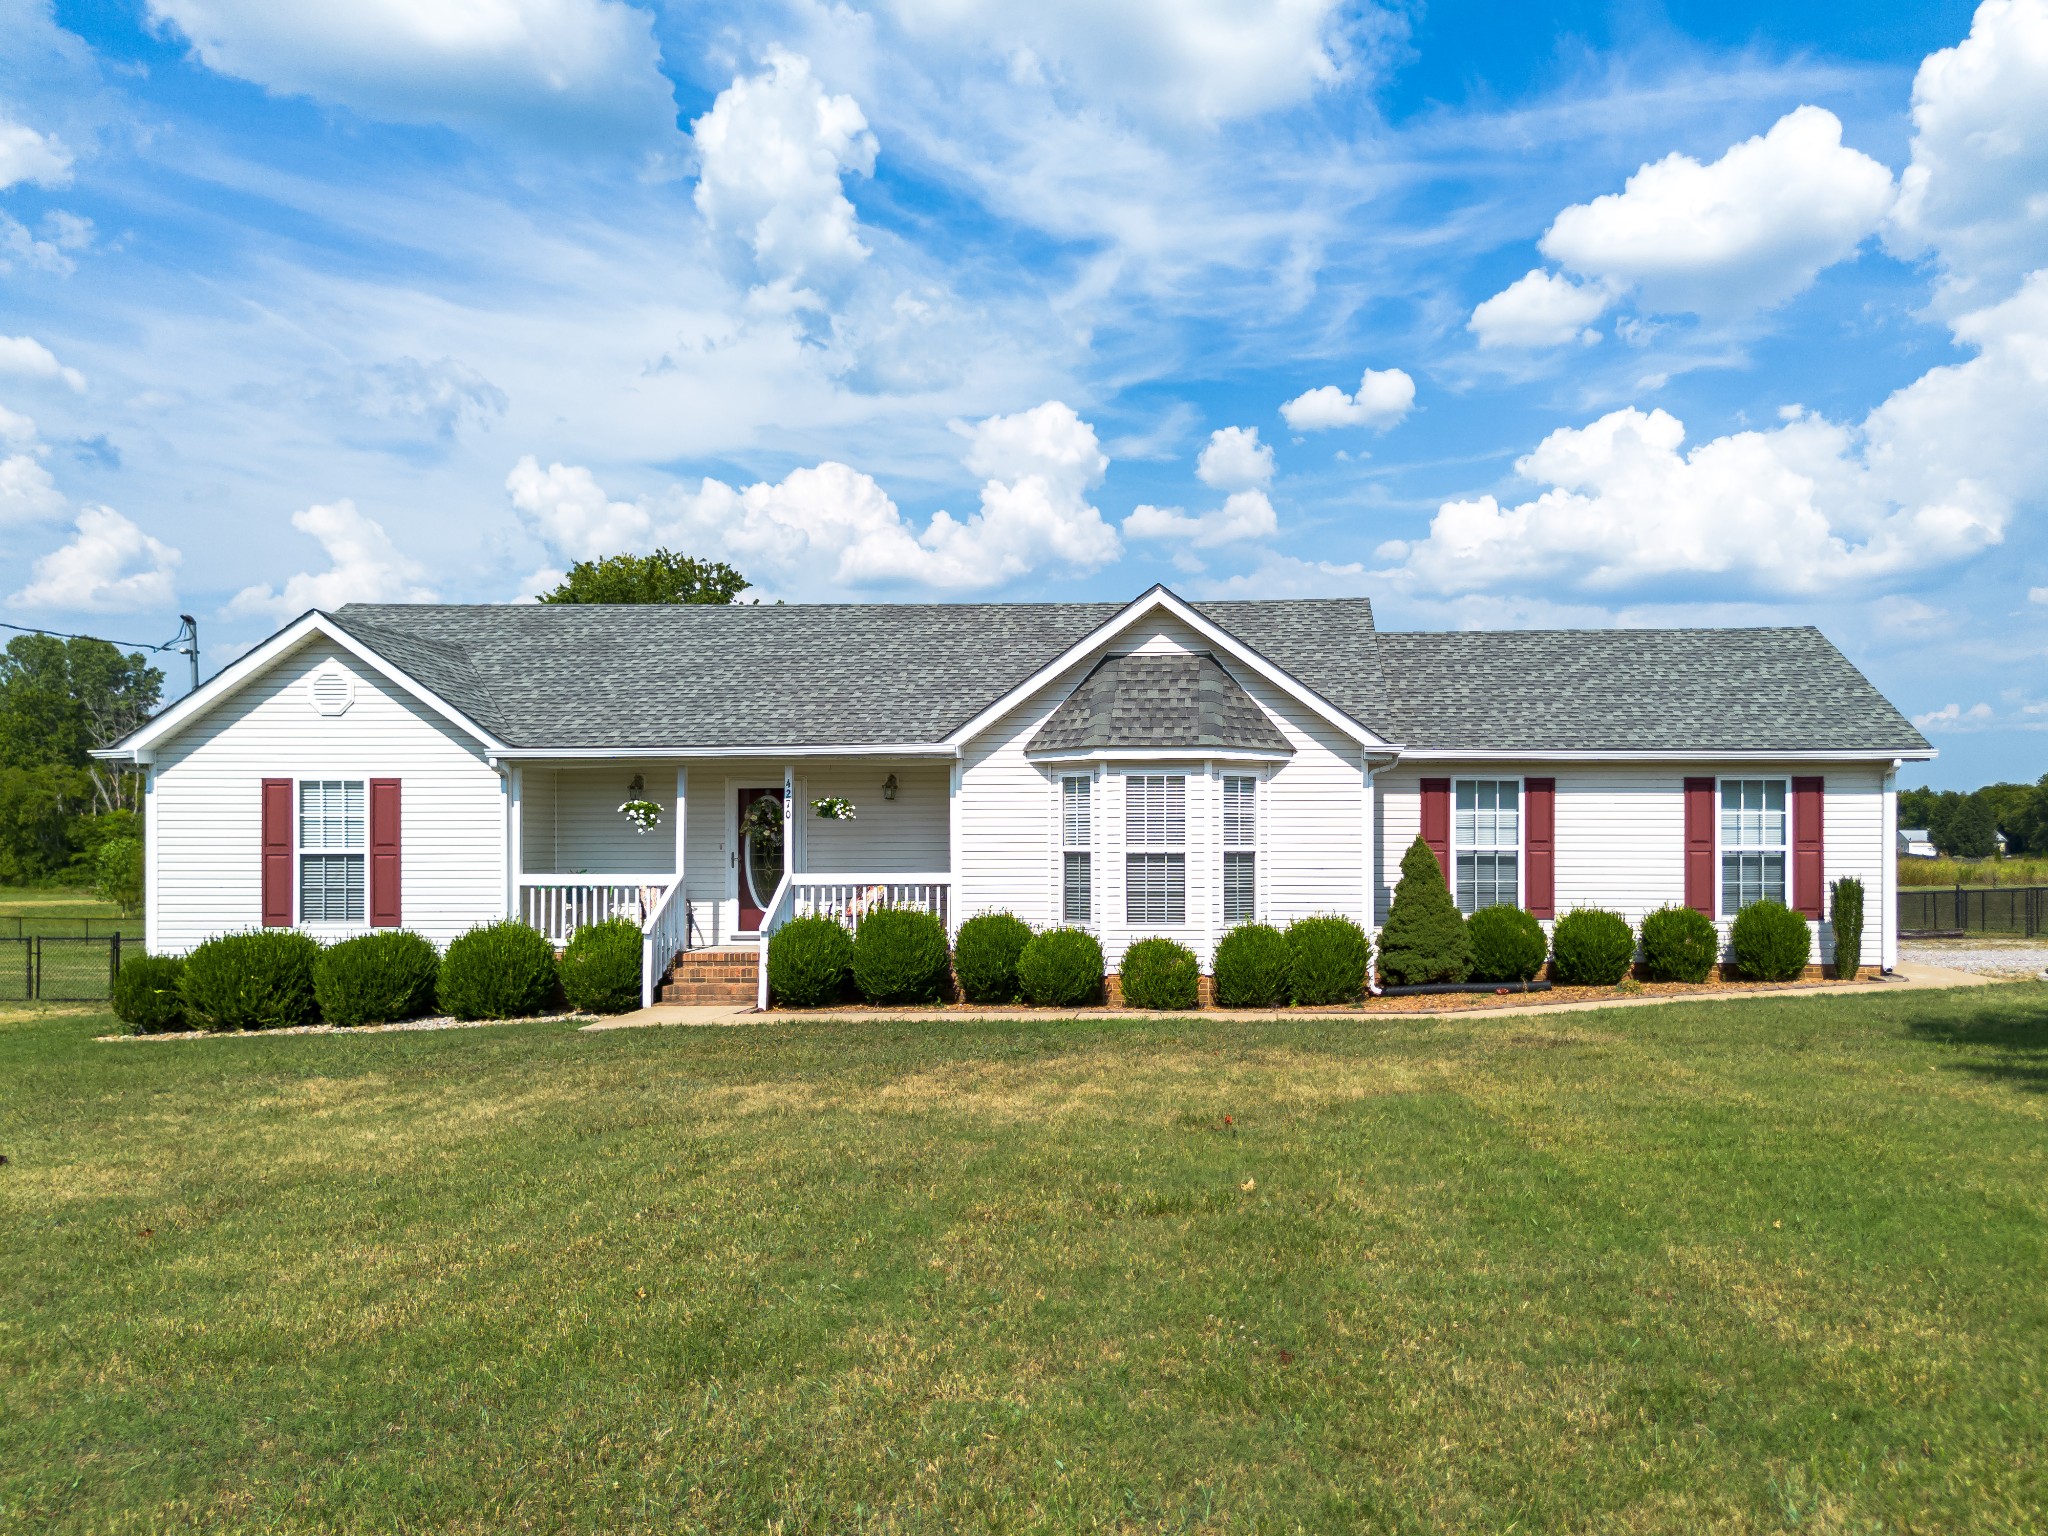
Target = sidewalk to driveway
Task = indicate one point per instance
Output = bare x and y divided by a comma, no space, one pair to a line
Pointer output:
1907,978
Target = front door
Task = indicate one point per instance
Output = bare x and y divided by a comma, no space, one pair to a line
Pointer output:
759,854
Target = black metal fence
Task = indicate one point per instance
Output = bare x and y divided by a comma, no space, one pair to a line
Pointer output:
2016,909
46,969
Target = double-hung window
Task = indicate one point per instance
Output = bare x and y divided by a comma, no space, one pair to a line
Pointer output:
1486,843
1155,849
1240,843
1076,862
1753,828
332,844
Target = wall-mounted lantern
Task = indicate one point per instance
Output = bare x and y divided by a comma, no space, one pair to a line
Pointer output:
889,787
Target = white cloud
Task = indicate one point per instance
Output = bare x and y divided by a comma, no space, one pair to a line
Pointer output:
550,69
1746,232
27,358
16,430
109,565
2037,594
1206,59
27,493
1384,396
1953,717
26,155
1539,309
830,526
1278,575
771,153
1976,191
1244,514
1235,460
363,567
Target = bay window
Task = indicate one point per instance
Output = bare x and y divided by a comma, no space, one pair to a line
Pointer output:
1155,844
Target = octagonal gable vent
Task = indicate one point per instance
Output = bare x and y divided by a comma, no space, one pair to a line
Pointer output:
331,690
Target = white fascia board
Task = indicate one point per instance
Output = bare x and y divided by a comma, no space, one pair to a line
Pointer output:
936,749
1690,755
1160,598
1162,755
264,656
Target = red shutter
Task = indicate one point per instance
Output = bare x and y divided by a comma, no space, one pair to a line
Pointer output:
1436,821
1699,845
384,821
277,853
1809,862
1539,843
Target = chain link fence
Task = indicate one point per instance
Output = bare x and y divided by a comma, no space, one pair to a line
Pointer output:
40,968
1936,909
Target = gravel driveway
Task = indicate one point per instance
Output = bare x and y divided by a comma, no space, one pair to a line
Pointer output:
1987,957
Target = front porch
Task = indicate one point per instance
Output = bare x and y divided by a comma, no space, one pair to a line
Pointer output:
708,875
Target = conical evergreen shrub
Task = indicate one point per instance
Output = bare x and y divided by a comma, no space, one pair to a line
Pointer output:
1424,938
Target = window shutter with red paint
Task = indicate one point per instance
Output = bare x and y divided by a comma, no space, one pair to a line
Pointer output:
1809,861
1436,821
1539,842
384,873
277,853
1699,845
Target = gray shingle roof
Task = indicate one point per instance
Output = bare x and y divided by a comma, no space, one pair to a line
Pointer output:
802,674
1635,690
1185,701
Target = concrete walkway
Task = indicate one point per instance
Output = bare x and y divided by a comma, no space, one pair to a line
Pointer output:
1907,978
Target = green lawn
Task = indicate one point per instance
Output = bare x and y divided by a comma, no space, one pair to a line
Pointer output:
1730,1267
62,912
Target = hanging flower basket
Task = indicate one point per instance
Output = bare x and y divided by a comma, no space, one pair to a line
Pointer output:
832,808
644,814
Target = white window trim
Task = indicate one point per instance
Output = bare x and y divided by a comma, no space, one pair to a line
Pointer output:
1521,832
1060,849
1256,847
1721,781
1193,908
299,853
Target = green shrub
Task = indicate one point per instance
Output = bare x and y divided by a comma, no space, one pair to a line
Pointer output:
376,978
899,956
985,956
117,872
1771,941
1253,967
810,960
1061,968
1327,960
601,967
501,970
1847,907
1159,973
261,979
1680,944
1592,948
1424,939
146,996
1507,944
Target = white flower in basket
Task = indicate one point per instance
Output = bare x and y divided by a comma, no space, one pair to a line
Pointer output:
644,814
832,808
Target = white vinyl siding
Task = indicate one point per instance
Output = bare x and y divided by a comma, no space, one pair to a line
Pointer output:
206,795
1486,842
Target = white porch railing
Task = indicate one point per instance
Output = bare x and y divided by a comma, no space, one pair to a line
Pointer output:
849,898
664,935
560,904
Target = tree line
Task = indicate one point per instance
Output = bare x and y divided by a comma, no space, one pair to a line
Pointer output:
1966,824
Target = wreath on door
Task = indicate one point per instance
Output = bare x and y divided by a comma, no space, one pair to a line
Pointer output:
763,819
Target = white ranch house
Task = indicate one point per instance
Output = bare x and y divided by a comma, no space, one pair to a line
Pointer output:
1153,767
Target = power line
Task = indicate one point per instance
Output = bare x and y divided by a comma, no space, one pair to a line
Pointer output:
184,643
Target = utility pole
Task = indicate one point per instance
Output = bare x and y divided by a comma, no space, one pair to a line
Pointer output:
186,643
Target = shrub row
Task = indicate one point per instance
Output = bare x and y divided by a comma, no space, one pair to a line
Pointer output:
276,978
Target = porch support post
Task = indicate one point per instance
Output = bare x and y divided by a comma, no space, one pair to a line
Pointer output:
515,839
953,895
792,828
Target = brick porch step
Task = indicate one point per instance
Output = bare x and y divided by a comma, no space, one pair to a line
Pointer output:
713,976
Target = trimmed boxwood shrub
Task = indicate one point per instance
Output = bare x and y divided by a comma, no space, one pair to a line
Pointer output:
985,956
1424,939
1159,973
1593,948
1061,968
376,978
899,956
146,996
1253,965
261,979
1507,944
1680,944
1847,908
1771,941
1327,960
501,970
810,960
601,967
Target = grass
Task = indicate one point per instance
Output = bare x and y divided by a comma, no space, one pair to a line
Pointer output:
2014,871
1726,1267
62,911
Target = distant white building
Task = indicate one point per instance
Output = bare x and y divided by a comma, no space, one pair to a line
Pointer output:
1916,843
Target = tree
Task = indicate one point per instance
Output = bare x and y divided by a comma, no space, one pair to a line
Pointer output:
1424,939
61,698
2033,818
1971,833
662,577
2008,804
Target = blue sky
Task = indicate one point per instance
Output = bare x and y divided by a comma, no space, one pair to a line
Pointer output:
1598,315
